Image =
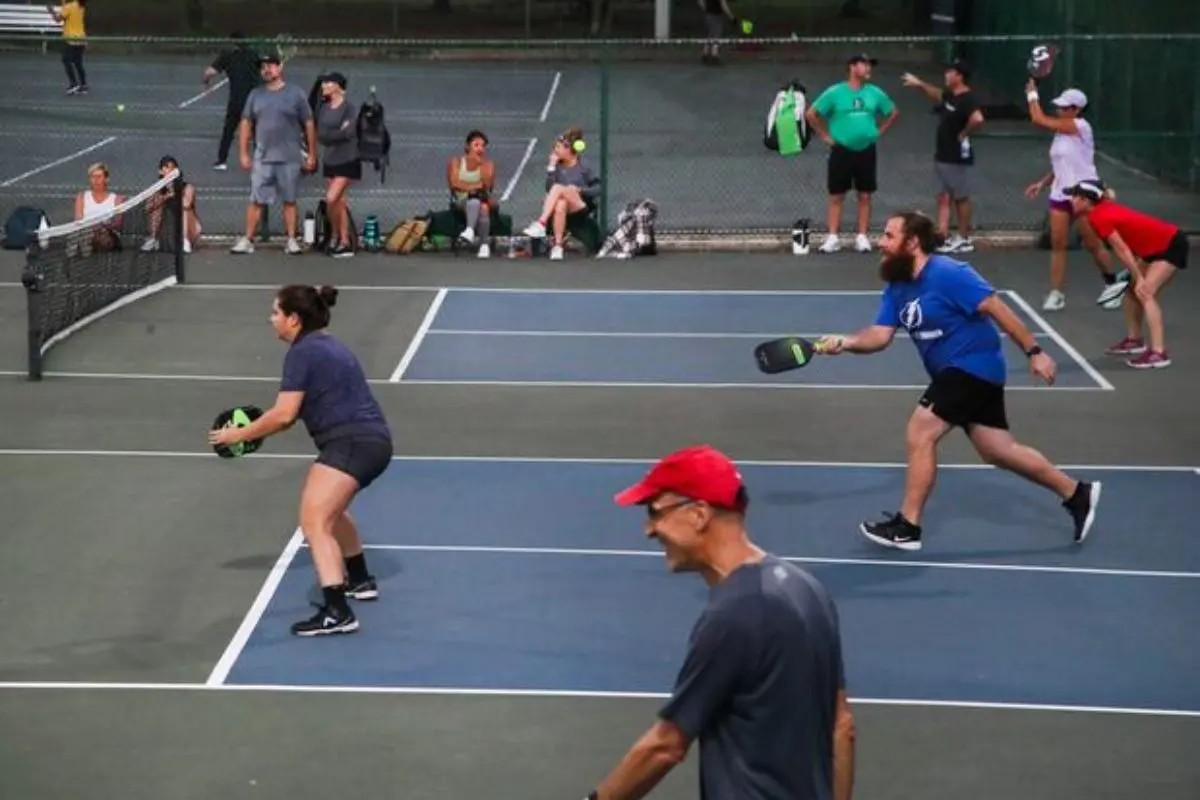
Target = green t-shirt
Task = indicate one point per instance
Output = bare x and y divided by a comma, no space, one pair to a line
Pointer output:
852,114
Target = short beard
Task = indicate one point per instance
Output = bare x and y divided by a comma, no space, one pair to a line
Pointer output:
898,268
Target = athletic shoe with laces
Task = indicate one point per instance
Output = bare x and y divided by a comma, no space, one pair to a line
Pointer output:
363,590
1082,508
1150,359
1129,346
326,621
893,531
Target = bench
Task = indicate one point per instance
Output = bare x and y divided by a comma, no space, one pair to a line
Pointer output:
31,19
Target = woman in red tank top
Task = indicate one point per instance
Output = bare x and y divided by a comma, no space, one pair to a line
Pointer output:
1153,250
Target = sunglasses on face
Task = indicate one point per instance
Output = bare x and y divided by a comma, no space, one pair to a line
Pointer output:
654,513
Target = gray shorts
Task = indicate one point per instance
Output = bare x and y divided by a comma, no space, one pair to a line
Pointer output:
715,25
953,179
271,182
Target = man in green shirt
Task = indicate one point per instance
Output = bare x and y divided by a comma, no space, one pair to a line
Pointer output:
848,117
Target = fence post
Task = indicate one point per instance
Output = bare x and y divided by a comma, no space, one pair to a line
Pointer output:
604,130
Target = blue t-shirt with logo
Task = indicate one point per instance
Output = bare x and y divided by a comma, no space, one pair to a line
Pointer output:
940,311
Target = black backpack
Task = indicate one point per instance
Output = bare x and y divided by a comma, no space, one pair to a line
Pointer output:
21,229
374,140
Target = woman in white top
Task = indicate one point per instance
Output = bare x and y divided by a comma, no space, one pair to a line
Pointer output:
98,201
1072,159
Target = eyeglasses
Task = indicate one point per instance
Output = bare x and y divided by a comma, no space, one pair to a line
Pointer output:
658,513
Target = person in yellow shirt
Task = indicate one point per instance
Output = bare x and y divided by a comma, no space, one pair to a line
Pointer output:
74,34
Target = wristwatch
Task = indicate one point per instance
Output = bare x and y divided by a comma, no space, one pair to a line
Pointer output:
1033,351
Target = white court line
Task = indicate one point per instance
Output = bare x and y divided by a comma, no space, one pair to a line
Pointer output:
641,334
418,337
257,609
868,562
550,97
1061,341
560,693
512,182
745,462
394,380
59,161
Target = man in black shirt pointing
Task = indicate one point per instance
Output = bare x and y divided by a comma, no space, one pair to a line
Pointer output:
243,68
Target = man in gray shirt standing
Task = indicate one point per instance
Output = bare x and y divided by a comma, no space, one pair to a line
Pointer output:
763,685
275,114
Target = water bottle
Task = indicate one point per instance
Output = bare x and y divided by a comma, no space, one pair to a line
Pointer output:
800,238
966,148
310,228
371,233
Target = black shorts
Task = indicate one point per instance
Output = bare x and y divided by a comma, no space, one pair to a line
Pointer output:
363,458
851,169
351,170
1176,253
963,400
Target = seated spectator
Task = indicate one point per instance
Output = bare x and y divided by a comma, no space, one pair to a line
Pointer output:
97,201
472,178
156,205
571,189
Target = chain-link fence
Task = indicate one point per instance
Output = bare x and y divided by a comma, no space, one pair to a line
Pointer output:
659,123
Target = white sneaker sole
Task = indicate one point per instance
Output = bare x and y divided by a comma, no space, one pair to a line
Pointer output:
1093,502
909,546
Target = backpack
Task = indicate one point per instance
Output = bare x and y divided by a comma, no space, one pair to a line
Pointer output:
22,227
374,139
788,107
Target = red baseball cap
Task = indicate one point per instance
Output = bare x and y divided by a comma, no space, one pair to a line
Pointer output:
701,473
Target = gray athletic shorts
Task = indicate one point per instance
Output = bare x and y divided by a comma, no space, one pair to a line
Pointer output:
715,24
271,182
954,179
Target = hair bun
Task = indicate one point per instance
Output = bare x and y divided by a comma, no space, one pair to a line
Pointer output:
328,295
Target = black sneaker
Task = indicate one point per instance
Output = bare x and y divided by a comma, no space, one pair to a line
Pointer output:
1082,507
326,621
365,590
894,531
341,250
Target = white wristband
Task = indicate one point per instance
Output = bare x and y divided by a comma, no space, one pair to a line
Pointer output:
1031,96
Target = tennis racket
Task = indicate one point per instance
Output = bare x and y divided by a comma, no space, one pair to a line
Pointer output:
784,354
237,417
1041,61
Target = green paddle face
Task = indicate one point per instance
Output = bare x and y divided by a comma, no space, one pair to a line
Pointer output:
238,417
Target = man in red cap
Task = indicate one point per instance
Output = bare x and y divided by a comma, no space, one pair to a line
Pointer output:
762,686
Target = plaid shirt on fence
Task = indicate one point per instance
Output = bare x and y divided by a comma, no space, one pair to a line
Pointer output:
634,231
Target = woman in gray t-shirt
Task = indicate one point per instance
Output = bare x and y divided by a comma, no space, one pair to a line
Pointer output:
572,187
337,131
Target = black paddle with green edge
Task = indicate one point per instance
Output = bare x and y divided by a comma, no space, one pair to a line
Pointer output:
785,354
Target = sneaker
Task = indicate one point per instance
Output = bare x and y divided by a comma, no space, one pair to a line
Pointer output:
485,251
243,246
468,236
72,90
1055,301
894,531
1150,359
341,250
1110,298
831,244
1129,346
556,253
326,621
150,245
366,590
1082,507
957,244
220,166
862,244
536,230
293,247
187,245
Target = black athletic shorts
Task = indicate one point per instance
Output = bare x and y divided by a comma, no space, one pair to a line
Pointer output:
851,169
1176,253
963,400
363,458
351,170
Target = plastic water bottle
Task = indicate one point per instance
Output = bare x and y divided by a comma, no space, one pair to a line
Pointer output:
310,228
966,148
800,238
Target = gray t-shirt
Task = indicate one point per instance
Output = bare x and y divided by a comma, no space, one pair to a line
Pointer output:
278,117
759,686
337,130
580,175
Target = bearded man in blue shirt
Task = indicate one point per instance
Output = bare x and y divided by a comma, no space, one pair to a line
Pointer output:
952,315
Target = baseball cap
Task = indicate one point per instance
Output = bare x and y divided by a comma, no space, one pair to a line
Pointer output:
1092,190
862,57
700,473
1071,98
960,66
270,58
334,77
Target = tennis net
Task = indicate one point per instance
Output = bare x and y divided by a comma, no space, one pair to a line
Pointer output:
81,271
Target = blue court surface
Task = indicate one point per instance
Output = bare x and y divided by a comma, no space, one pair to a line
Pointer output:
522,575
680,338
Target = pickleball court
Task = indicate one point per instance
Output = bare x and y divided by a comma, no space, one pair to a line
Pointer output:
527,630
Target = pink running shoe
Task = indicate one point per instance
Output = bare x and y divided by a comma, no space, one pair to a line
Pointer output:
1150,360
1129,346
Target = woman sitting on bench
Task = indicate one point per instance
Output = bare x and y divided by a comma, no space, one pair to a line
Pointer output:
571,189
472,177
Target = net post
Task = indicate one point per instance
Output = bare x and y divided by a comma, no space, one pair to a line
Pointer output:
605,74
177,211
31,280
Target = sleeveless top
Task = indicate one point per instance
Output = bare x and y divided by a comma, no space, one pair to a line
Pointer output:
98,208
467,176
1073,159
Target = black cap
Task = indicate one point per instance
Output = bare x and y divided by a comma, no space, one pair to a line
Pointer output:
859,58
270,58
960,66
333,77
